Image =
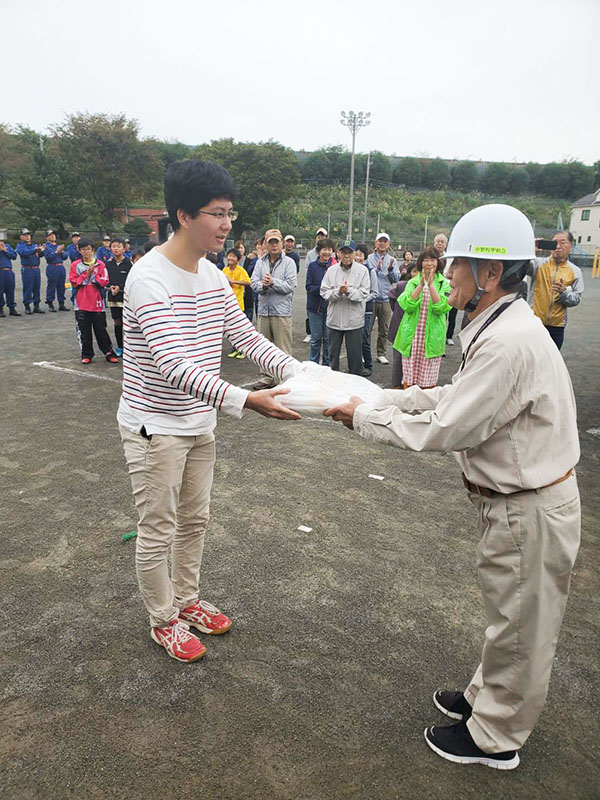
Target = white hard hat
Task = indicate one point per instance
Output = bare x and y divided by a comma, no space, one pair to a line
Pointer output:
495,231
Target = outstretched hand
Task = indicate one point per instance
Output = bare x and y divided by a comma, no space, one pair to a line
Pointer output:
344,413
267,403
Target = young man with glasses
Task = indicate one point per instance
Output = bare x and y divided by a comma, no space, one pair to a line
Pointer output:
177,308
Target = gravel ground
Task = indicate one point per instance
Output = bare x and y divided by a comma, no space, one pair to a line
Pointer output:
323,687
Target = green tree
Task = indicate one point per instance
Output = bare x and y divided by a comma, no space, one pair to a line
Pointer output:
317,166
137,226
266,174
436,174
518,181
409,172
596,169
111,164
496,179
381,168
464,176
48,194
170,151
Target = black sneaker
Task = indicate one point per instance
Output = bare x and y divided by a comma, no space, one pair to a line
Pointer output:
452,704
50,306
27,308
456,744
2,314
37,309
13,313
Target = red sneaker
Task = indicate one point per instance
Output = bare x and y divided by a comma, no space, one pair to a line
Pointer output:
179,643
86,360
205,617
112,359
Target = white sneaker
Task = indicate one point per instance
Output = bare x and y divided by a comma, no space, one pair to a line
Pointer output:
449,341
306,339
382,360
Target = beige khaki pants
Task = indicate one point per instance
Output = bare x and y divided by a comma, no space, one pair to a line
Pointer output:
528,545
171,478
279,331
382,312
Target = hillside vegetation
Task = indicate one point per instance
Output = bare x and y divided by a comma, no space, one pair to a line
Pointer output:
402,212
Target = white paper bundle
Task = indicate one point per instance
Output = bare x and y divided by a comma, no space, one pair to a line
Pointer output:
316,388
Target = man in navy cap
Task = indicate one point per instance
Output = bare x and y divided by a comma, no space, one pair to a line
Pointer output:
346,287
73,248
55,272
104,253
29,254
7,280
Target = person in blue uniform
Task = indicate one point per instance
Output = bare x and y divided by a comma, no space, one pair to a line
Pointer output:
7,280
55,272
29,254
73,248
104,253
127,252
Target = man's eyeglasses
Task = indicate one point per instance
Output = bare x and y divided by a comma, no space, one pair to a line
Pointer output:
233,215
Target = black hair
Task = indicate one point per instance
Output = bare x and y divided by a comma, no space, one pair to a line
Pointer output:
407,251
192,183
363,249
83,242
213,258
325,242
147,246
260,241
118,239
569,234
430,252
235,252
137,252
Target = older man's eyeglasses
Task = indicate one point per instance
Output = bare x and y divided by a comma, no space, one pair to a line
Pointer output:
233,215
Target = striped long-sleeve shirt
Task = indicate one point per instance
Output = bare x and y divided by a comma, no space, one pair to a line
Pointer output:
173,324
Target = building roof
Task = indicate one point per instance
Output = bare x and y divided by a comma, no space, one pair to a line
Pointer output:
592,199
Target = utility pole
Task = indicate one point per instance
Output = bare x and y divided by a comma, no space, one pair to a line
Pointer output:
425,237
364,236
353,122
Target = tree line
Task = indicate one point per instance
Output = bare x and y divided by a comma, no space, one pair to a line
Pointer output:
83,169
565,179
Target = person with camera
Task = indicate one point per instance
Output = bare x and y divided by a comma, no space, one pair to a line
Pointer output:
509,417
557,284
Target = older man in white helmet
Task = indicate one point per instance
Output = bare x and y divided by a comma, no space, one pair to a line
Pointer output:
509,418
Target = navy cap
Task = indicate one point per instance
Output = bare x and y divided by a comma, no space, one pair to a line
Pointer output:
349,244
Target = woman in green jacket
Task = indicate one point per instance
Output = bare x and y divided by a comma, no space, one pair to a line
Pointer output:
421,338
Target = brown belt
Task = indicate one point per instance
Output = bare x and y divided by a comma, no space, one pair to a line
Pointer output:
484,492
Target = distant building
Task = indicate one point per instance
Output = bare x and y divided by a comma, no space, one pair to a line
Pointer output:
150,214
585,221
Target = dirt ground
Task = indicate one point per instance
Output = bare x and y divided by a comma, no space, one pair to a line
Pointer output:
322,689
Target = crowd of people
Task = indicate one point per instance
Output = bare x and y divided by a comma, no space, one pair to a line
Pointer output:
406,297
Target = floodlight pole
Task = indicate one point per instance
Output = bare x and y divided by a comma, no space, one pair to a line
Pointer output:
353,122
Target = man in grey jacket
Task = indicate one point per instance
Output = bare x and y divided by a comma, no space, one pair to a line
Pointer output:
274,279
346,287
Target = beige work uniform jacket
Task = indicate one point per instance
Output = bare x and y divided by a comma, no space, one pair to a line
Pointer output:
508,416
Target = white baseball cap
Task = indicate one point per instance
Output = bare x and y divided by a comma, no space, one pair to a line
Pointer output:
382,235
288,237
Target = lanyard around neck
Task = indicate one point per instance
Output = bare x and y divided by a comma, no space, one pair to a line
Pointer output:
492,318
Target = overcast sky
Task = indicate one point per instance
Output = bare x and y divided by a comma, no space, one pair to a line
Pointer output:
512,80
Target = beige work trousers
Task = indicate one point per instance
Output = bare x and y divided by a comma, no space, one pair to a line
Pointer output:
279,331
171,478
382,312
528,545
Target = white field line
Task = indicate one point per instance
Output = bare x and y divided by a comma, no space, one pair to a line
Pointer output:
79,373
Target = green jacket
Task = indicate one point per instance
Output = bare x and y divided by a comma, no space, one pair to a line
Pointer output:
436,322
